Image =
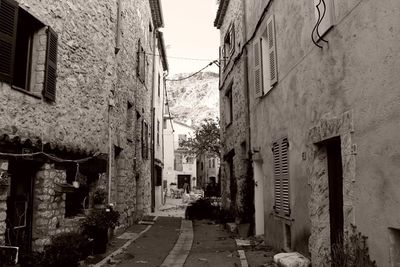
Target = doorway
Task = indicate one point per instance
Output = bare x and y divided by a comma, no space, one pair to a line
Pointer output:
20,205
182,180
335,181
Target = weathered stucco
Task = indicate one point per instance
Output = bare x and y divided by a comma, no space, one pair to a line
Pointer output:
358,72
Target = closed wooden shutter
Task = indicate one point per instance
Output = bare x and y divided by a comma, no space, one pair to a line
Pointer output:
285,177
8,36
277,176
258,75
50,80
281,173
273,67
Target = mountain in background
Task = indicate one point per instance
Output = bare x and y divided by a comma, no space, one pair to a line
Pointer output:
194,99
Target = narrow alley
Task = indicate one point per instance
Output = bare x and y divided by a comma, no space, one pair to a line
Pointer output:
200,133
182,242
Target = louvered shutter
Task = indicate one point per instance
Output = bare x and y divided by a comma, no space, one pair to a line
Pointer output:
281,173
277,177
258,76
50,78
8,36
284,177
273,67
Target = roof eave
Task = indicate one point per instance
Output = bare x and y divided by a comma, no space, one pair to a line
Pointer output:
156,13
223,6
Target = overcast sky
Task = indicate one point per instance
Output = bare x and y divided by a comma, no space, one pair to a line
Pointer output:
189,33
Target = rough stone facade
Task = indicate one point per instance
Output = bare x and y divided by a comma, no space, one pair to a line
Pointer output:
235,161
100,108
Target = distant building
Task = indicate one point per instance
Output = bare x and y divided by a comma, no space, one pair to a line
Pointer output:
207,170
323,91
76,83
179,167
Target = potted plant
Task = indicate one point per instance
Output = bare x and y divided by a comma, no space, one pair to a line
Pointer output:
99,198
4,182
96,226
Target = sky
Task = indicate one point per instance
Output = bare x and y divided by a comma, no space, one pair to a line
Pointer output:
189,32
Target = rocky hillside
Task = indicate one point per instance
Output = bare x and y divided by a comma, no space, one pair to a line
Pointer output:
195,98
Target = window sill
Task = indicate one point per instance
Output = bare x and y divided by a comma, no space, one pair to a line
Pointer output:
16,88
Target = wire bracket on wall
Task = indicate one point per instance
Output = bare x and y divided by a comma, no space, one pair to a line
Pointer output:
315,30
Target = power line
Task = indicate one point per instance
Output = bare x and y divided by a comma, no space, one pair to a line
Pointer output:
193,74
176,57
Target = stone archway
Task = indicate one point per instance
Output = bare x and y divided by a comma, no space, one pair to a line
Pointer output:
343,127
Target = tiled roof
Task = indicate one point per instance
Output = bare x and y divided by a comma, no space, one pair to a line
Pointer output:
223,6
156,13
163,53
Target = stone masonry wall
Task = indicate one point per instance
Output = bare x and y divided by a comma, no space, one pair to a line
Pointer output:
49,207
234,136
4,190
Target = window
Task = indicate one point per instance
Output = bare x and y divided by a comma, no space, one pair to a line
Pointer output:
229,45
209,163
141,63
178,162
265,60
228,106
76,201
158,132
145,140
129,115
20,33
328,20
281,174
213,163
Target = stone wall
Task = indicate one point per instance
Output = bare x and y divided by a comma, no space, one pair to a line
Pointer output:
4,191
234,136
49,207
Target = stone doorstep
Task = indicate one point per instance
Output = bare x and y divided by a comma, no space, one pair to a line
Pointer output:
292,259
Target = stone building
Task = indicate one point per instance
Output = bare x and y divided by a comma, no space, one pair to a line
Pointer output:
179,167
76,83
324,113
207,168
235,164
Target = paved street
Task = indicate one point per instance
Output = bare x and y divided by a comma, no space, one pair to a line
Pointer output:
170,240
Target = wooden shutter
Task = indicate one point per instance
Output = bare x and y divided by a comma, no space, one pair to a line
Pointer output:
273,67
285,194
50,77
277,176
232,39
281,172
8,37
258,75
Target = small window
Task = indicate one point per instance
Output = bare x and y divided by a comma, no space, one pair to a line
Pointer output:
213,163
228,106
229,45
78,200
189,160
145,140
178,162
129,121
141,63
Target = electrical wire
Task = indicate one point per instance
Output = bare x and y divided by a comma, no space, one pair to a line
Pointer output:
174,57
50,156
193,74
